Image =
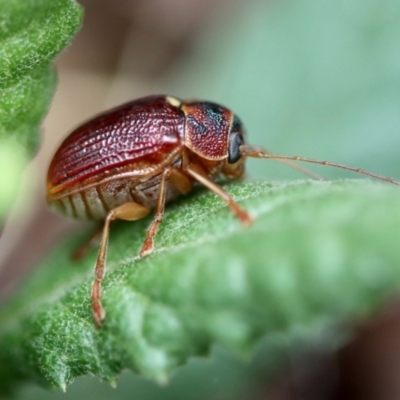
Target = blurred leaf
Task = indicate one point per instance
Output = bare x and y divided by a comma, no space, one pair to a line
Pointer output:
32,33
12,163
317,254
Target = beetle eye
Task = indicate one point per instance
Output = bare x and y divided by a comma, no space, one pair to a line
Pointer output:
235,141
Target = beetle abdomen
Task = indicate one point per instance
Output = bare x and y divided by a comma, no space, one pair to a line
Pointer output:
96,201
91,203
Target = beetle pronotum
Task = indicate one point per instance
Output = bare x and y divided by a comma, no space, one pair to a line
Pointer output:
145,153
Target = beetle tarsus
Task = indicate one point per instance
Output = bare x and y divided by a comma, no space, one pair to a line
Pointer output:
147,248
245,218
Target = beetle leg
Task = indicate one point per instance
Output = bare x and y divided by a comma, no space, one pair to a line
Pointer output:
197,172
129,211
148,244
180,181
91,242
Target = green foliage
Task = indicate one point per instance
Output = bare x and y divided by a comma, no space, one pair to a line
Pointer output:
317,253
313,78
32,33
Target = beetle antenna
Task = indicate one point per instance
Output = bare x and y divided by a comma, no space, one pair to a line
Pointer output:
297,167
257,152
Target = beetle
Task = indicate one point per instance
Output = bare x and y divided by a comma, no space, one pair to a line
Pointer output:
145,153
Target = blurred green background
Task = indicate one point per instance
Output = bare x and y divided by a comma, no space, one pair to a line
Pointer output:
313,78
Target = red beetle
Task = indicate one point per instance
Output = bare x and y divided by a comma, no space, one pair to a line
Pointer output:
139,156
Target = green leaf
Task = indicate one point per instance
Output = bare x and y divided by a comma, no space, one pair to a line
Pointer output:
317,254
32,33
